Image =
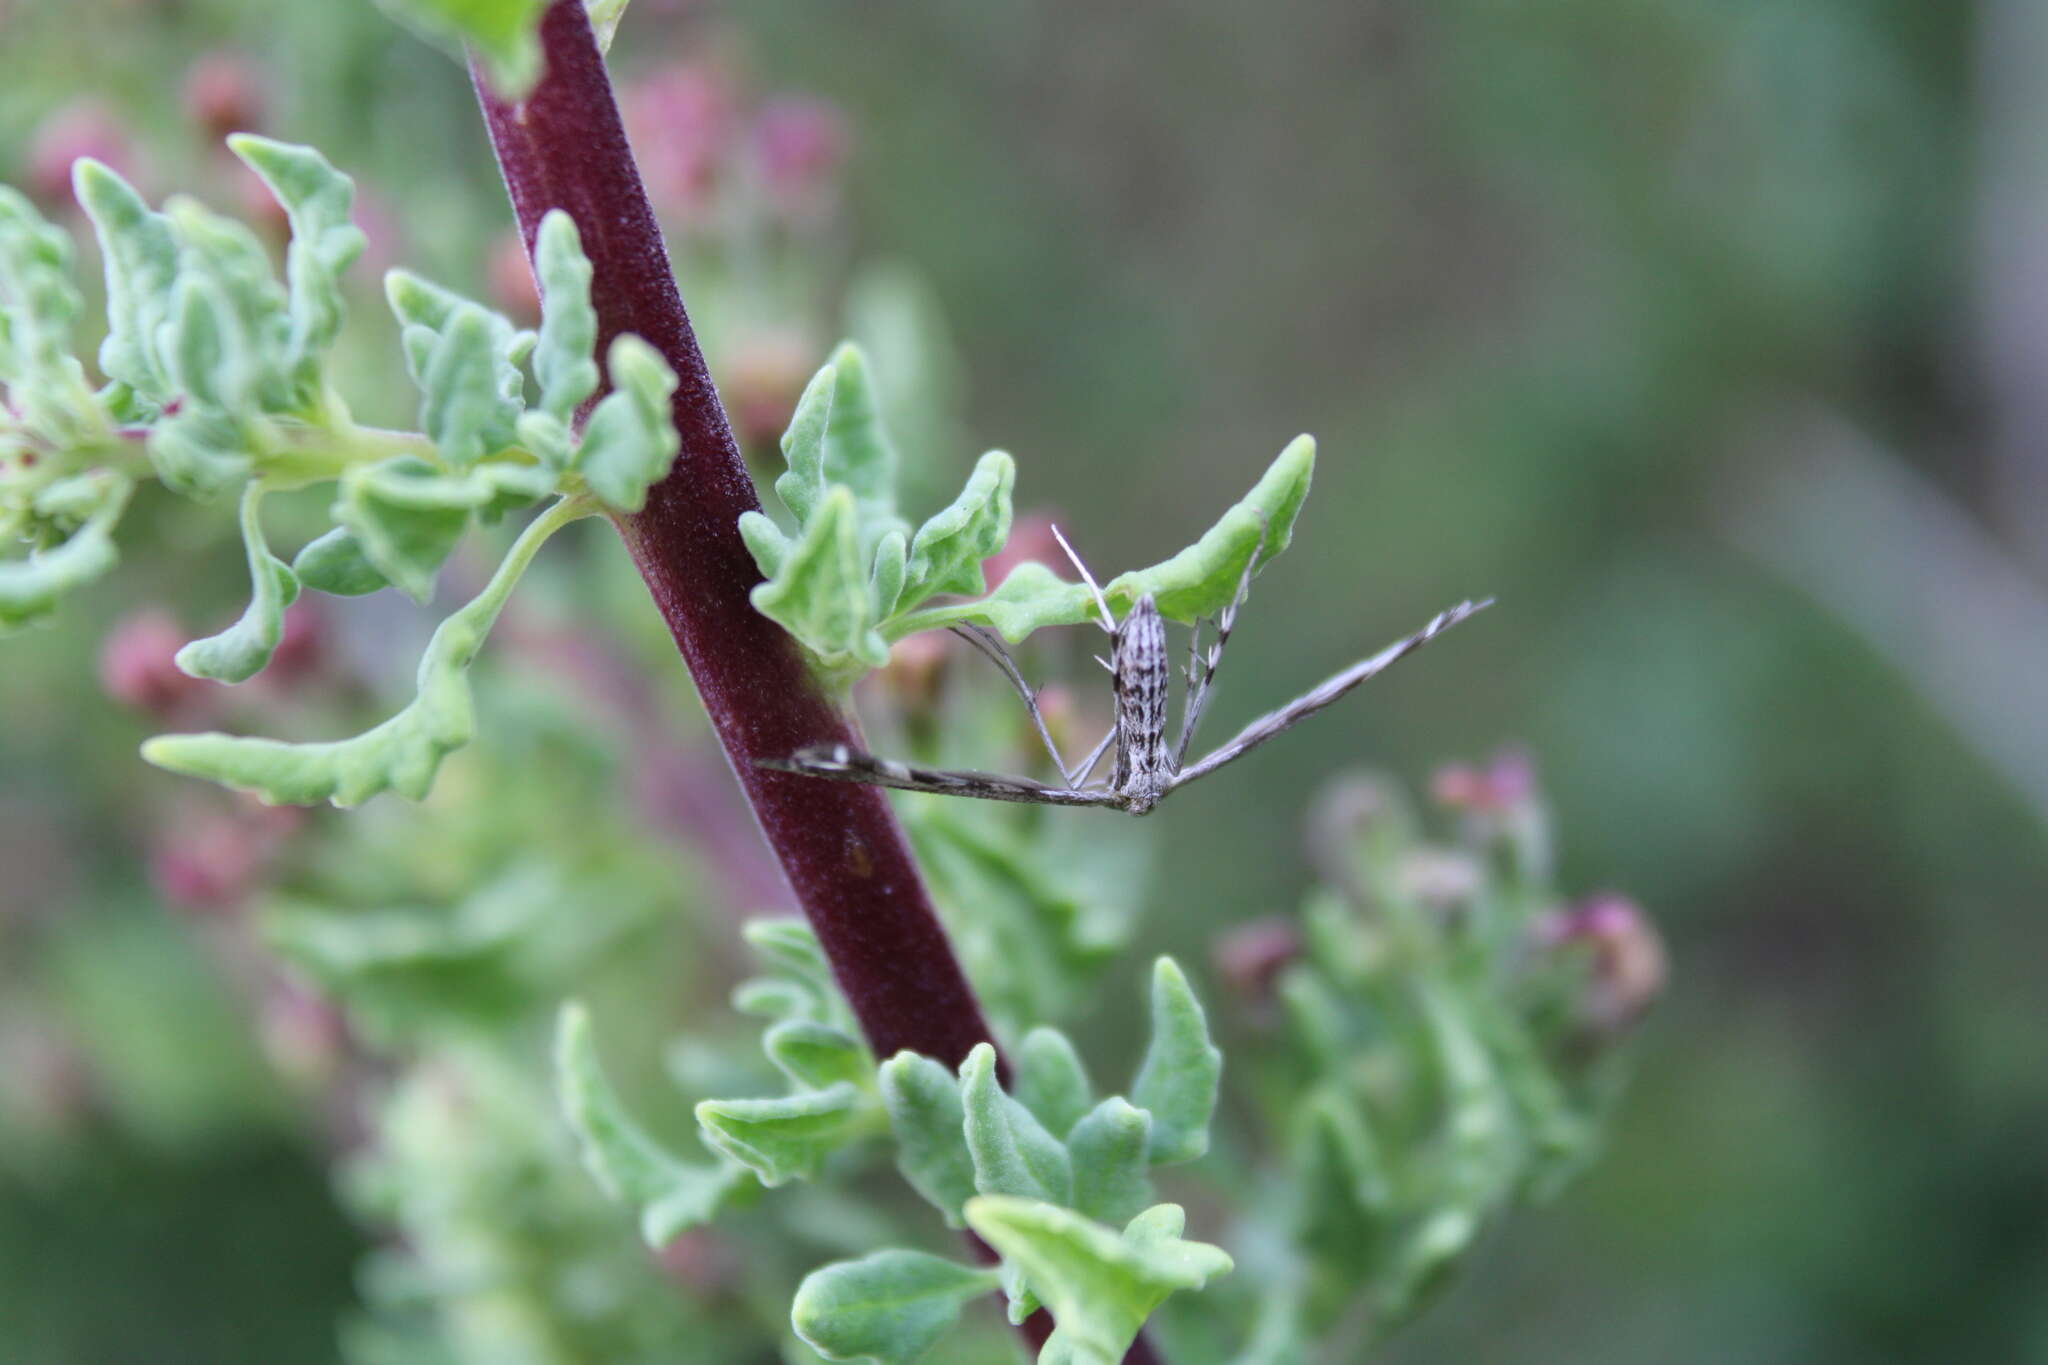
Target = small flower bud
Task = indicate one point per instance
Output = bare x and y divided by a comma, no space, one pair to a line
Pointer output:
1441,879
1031,538
762,382
84,127
224,94
305,1038
138,668
301,648
916,670
1504,784
682,122
1629,966
1251,957
801,144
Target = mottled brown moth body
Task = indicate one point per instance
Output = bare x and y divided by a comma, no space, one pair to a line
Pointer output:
1139,671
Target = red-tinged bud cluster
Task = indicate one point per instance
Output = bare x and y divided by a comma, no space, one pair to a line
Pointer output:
801,145
1250,958
214,862
1507,783
701,1260
305,1037
916,670
223,94
682,121
85,127
138,668
1629,966
302,646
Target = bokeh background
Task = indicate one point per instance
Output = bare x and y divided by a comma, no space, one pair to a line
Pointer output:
1710,336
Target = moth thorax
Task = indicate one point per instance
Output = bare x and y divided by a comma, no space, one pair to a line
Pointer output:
1141,671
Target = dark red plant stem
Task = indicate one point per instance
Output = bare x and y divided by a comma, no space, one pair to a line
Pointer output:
564,146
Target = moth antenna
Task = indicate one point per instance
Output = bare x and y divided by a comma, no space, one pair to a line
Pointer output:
1101,602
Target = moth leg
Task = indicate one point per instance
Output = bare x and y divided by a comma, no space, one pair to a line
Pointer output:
1314,700
842,763
1198,689
991,645
1101,602
1079,776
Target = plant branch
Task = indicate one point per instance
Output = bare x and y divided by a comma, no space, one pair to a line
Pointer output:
563,146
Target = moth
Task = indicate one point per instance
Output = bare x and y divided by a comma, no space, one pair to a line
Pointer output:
1146,767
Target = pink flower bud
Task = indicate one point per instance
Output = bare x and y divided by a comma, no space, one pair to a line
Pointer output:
1629,966
1031,538
1251,957
801,144
137,666
85,127
224,94
763,380
681,121
1504,784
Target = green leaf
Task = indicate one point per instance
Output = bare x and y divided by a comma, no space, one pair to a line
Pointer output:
1051,1081
817,1056
925,1113
857,453
671,1193
789,943
1012,1152
772,997
765,542
503,32
886,582
891,1306
30,587
464,358
140,252
1100,1286
38,306
783,1139
241,651
1199,581
226,342
821,595
1178,1079
604,20
1111,1151
946,556
564,358
1030,598
335,563
317,198
1202,579
407,516
403,753
201,451
630,441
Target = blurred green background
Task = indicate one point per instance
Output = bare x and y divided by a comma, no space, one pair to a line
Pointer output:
1709,336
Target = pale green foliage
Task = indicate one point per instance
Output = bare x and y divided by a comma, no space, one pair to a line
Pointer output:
671,1193
1099,1284
891,1307
629,441
317,199
403,753
1050,1147
83,548
785,1138
853,578
564,357
240,652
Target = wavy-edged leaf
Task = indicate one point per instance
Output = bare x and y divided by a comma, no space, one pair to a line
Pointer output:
923,1102
802,485
503,32
1110,1148
821,595
564,358
818,1056
671,1193
1030,598
464,358
1100,1286
407,516
30,587
38,306
631,440
405,752
1051,1081
241,651
891,1306
335,563
1013,1154
783,1139
201,451
317,199
140,253
1202,579
886,580
226,341
1178,1079
946,556
857,451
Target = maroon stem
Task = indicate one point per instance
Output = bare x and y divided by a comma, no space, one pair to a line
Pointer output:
563,146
